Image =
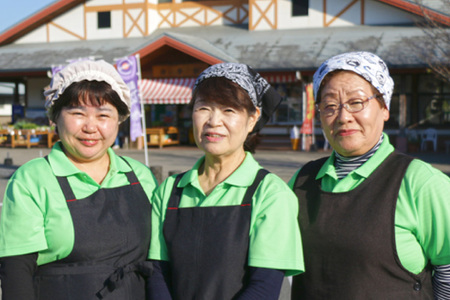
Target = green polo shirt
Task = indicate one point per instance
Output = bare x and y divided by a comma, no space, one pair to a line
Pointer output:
422,216
274,233
35,216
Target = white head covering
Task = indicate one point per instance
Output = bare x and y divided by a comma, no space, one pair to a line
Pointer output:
86,70
366,64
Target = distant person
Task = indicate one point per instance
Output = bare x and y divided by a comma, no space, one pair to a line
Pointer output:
76,224
226,229
375,223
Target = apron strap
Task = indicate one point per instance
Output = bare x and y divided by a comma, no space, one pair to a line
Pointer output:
65,186
131,176
247,200
175,196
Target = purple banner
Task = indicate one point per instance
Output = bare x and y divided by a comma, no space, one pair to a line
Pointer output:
128,70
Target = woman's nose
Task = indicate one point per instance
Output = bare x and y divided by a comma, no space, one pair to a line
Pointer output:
343,115
90,125
215,118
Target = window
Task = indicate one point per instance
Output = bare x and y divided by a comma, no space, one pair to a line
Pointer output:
300,7
290,109
434,101
164,1
104,19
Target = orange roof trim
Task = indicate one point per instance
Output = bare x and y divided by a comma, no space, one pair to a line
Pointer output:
168,41
418,10
36,20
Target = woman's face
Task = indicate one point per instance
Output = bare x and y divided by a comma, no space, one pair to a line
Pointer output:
352,134
220,130
87,131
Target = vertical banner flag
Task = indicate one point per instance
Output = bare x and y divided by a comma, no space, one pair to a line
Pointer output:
307,126
128,70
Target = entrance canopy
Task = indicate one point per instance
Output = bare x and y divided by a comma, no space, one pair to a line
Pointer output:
166,91
178,90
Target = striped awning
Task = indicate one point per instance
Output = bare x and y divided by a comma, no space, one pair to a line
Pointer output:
166,91
286,77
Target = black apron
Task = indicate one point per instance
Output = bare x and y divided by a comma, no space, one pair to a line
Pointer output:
112,239
208,246
349,239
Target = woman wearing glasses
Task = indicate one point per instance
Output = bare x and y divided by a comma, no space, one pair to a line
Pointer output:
374,222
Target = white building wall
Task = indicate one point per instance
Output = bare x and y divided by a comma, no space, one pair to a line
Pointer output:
75,20
134,1
72,22
257,18
94,33
102,2
138,29
375,13
153,20
39,35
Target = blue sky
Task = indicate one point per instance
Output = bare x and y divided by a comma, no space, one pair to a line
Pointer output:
14,11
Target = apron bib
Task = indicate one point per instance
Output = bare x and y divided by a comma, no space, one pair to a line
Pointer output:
349,238
112,237
208,246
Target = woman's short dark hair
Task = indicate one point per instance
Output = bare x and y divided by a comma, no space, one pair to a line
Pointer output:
95,92
225,92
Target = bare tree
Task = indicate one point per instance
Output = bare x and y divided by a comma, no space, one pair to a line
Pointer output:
434,46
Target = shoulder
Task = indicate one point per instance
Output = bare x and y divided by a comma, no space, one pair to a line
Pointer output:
420,174
143,172
274,189
165,188
135,164
36,170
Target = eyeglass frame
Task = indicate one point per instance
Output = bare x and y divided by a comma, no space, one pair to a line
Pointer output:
346,105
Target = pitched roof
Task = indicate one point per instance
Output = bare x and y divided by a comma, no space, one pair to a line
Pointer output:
436,9
289,50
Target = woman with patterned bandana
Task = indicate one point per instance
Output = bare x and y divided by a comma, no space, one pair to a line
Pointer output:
374,222
226,229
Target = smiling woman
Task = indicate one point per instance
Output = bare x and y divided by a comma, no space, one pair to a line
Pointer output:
368,211
74,220
227,228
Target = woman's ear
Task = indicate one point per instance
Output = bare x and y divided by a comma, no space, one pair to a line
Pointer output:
253,119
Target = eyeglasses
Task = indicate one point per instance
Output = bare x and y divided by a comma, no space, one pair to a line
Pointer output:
329,108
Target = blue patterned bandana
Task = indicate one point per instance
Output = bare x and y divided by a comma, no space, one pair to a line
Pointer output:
366,64
261,93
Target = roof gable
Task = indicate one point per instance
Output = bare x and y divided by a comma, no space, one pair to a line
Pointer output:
36,20
422,9
431,8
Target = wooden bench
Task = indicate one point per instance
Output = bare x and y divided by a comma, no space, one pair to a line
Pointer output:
163,136
30,137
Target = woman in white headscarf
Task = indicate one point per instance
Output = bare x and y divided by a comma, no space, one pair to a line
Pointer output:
374,222
76,224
